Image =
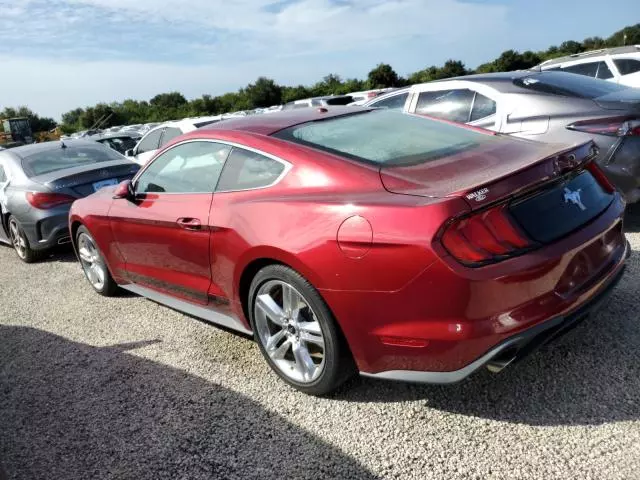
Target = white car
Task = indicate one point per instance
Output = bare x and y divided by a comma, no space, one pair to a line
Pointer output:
360,98
620,65
394,99
158,137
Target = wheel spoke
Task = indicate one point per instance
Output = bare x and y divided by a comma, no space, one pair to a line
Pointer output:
85,255
290,298
281,351
99,274
274,339
310,338
91,274
270,308
304,362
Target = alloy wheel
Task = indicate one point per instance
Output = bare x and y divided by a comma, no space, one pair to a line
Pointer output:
289,331
91,261
17,239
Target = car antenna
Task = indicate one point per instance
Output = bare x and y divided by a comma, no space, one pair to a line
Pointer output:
62,144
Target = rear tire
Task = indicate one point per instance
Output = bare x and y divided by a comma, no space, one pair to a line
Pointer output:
20,243
296,331
93,264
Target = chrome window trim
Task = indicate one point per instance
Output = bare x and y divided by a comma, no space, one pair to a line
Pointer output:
287,167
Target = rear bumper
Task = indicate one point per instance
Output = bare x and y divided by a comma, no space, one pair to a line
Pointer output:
513,348
47,231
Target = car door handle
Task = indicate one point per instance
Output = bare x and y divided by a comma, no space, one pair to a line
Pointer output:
189,223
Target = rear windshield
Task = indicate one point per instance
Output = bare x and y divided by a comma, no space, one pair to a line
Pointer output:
567,84
339,100
58,158
386,138
206,122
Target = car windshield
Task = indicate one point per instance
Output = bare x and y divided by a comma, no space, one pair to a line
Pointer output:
386,138
58,158
568,84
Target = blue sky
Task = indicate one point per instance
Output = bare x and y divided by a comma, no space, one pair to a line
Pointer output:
56,55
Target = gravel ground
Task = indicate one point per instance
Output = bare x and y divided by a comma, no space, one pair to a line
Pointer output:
94,388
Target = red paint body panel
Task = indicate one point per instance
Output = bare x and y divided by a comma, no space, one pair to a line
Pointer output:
385,275
158,252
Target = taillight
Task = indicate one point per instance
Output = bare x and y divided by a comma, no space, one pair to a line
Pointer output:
45,201
600,177
485,237
613,127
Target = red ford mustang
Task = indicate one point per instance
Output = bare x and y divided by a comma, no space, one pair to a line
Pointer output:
349,239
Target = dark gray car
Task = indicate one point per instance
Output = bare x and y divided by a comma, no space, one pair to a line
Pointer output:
38,184
551,107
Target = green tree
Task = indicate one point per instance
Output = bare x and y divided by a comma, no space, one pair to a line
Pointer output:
290,94
571,47
263,93
382,76
593,43
452,68
168,100
627,36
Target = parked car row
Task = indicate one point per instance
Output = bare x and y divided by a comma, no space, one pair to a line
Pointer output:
344,239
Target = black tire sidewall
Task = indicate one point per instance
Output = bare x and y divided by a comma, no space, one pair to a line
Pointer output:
337,362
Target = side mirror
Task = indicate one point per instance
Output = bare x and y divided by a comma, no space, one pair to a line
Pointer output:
129,153
124,190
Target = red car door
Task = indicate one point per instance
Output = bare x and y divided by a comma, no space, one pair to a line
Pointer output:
164,233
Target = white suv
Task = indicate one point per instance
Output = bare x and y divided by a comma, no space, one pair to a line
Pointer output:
620,65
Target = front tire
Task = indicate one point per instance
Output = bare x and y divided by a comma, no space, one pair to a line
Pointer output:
20,243
94,265
296,331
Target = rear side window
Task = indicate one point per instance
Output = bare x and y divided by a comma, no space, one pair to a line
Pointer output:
383,137
560,83
246,170
627,66
588,69
454,105
394,102
482,107
57,158
169,134
150,142
604,73
192,167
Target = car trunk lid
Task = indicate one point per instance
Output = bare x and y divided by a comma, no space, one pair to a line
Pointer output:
546,192
84,180
626,99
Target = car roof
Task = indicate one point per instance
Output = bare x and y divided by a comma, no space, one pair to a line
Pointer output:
500,81
26,150
592,54
107,136
274,122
